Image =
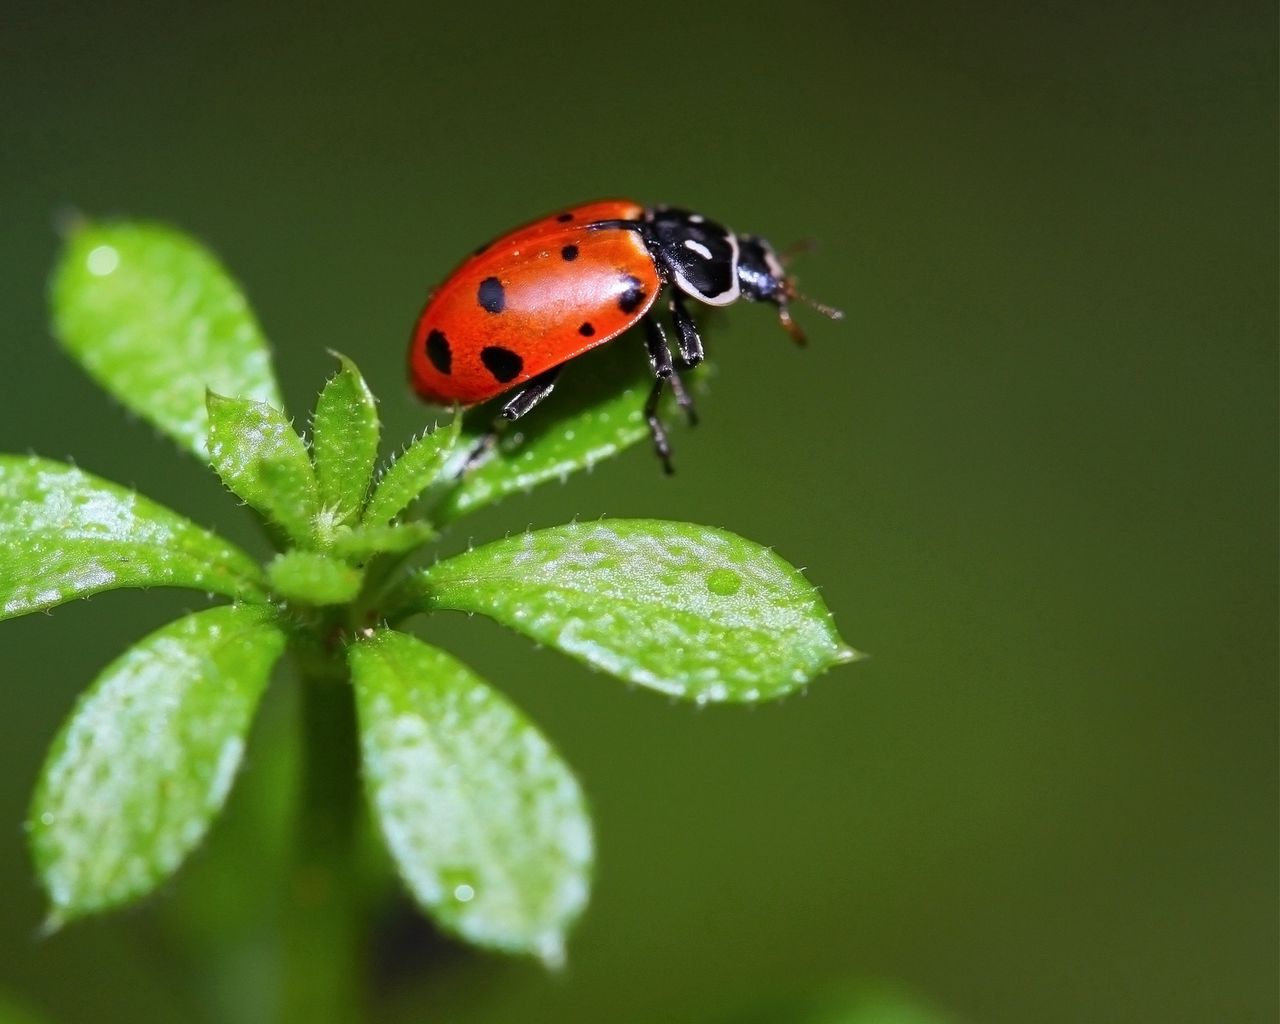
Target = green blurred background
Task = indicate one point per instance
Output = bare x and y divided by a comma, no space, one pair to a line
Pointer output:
1034,472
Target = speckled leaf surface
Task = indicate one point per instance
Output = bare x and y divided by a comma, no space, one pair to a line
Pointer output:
486,823
65,533
263,461
412,472
691,611
344,443
156,320
147,758
308,577
568,437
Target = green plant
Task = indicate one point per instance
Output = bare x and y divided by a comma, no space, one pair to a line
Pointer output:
485,823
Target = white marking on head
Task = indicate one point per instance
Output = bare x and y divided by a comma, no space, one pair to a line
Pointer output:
696,218
698,247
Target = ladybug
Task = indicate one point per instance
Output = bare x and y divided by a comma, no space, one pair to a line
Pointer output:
518,309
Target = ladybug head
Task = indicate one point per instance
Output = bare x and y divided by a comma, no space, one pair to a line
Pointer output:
762,277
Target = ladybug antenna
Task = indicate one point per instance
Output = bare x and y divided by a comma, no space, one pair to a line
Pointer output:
789,325
796,248
828,311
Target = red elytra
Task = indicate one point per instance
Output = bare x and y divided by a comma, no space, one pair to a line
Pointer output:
512,314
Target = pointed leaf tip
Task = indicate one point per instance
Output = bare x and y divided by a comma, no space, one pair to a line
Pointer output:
419,467
260,457
691,611
155,320
344,445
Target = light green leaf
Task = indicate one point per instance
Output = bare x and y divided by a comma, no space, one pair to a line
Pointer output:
344,444
260,458
309,577
147,758
413,471
689,610
65,533
596,414
155,320
486,823
363,542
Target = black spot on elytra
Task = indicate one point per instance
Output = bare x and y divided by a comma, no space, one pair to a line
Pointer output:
586,330
492,298
504,364
438,352
632,294
569,253
564,218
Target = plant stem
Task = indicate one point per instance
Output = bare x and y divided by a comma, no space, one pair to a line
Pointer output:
324,933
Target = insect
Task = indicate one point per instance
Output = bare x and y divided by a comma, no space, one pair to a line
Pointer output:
518,309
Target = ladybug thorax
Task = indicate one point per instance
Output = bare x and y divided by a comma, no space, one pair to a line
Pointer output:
709,262
699,256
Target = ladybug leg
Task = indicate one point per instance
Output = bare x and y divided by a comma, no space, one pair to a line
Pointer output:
690,343
531,394
655,341
656,430
524,400
660,363
480,452
691,354
683,399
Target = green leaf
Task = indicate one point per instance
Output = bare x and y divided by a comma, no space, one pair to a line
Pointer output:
596,414
413,471
689,610
363,542
155,320
309,577
65,533
344,442
260,458
486,823
147,758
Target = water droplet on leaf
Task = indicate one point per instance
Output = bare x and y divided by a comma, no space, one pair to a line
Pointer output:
103,260
459,884
724,582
